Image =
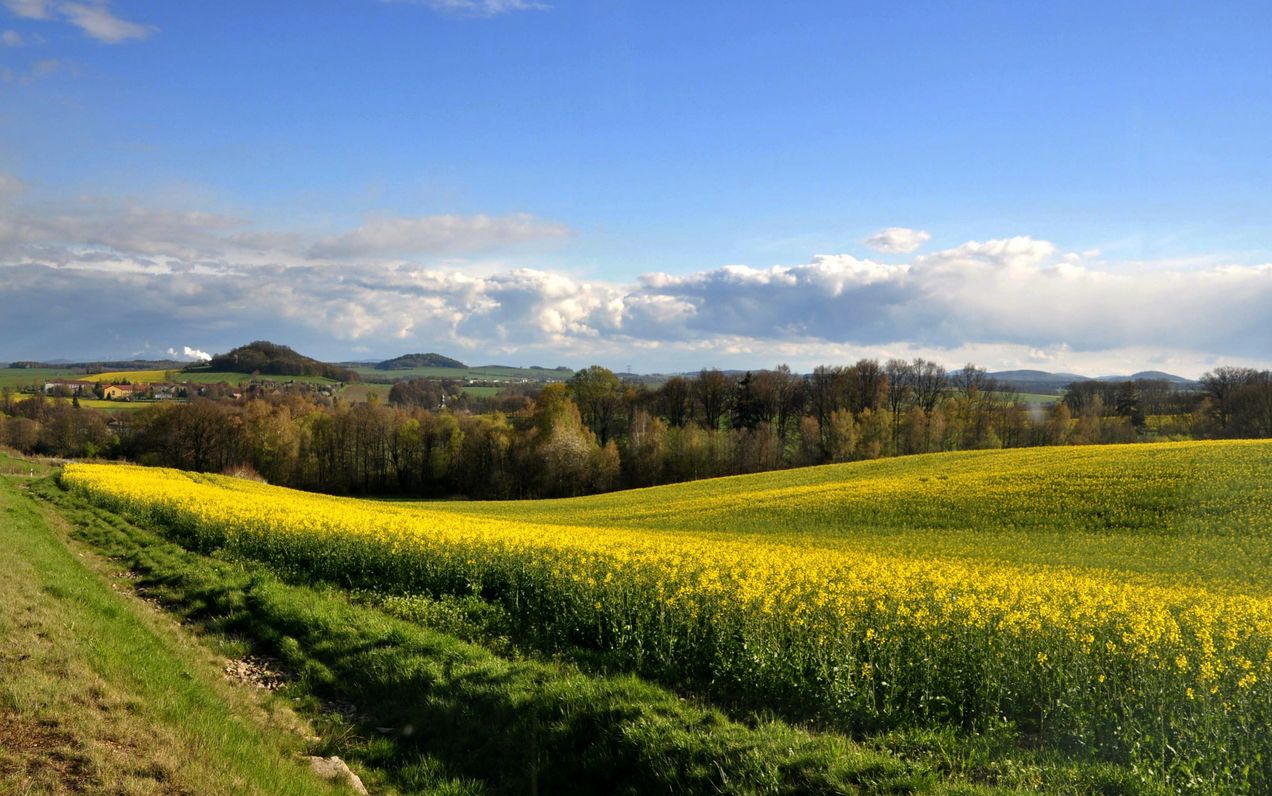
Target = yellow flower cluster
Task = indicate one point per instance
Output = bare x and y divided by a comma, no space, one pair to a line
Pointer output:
857,639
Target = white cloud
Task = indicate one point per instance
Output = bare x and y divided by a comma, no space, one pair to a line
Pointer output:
29,9
11,38
97,21
476,8
189,353
93,17
1009,302
45,67
10,188
66,232
897,240
398,236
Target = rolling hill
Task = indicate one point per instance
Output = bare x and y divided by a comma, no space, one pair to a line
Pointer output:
411,361
265,357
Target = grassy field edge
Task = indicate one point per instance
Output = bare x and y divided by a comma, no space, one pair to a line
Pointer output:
100,694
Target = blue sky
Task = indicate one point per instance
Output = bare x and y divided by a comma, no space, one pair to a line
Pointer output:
656,184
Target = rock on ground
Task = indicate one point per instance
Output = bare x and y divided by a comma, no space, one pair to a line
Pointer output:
334,769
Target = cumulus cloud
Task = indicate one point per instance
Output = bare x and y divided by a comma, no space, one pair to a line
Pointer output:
192,354
1007,302
93,17
399,236
897,240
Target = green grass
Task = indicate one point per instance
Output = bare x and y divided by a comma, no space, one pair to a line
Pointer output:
1194,512
100,694
439,714
209,377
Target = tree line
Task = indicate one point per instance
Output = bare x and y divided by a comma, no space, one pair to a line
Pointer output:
597,432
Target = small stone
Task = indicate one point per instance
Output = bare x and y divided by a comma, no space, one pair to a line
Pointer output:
333,769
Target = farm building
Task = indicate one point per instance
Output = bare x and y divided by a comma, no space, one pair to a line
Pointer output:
68,386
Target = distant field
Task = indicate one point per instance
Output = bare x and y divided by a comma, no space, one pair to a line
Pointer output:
25,377
21,378
207,377
104,406
14,464
493,372
1194,511
135,376
1037,398
116,406
360,392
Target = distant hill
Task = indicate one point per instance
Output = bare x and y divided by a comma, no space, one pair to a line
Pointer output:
263,356
412,361
1151,375
103,365
1042,382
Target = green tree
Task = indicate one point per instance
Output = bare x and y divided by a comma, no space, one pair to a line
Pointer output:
599,395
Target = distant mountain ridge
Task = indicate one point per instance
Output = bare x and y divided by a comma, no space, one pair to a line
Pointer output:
1038,376
1146,375
1041,381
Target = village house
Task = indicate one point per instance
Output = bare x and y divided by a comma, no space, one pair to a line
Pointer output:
122,392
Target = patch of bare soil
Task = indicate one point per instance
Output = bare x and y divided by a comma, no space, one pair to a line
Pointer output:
42,757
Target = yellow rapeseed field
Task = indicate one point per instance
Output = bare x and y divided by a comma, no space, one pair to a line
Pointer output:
135,376
1174,678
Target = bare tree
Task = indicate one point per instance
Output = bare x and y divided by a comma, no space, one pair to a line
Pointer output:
714,392
1220,385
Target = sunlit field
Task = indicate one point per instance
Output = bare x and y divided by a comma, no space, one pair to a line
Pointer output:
1112,602
135,376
